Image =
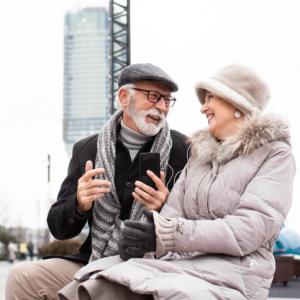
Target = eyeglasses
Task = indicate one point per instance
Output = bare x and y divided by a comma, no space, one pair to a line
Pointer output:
155,97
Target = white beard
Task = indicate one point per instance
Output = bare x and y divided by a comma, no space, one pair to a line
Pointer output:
148,129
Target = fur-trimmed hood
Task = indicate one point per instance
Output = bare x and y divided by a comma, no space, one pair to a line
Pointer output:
260,130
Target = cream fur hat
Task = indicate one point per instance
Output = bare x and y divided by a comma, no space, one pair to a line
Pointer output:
238,85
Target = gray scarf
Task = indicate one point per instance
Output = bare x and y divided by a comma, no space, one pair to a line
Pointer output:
106,212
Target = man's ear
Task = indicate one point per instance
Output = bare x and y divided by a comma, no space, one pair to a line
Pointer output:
123,98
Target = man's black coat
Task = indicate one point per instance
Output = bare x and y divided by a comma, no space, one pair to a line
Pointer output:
66,222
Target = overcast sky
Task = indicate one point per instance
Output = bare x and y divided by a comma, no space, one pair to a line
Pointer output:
189,39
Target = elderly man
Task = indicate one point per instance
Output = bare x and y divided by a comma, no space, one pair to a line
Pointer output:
102,181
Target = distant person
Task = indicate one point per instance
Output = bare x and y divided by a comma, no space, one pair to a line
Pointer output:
23,251
11,249
214,238
101,184
30,248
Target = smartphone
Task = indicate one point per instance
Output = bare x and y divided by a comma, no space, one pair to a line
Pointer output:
149,161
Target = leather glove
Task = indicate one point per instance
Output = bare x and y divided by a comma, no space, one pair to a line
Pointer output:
137,238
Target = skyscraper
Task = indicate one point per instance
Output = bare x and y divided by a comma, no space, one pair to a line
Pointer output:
86,67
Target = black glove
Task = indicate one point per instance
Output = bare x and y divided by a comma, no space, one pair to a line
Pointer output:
137,238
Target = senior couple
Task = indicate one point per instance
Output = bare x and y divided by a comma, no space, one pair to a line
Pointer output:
211,237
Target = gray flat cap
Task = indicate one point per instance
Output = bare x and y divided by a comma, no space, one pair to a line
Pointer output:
137,72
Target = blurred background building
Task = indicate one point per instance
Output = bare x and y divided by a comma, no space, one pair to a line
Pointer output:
86,67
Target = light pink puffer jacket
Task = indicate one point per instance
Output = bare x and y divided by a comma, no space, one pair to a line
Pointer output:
231,201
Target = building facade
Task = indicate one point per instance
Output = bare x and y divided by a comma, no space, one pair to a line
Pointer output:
86,67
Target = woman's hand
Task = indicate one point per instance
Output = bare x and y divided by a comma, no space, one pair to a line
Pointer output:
152,199
137,238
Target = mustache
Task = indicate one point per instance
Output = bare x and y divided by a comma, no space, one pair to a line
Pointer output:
155,113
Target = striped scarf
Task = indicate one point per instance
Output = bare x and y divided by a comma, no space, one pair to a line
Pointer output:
106,212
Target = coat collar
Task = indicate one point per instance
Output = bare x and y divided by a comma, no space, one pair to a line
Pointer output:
259,130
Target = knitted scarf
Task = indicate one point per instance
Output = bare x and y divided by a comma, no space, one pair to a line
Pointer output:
106,223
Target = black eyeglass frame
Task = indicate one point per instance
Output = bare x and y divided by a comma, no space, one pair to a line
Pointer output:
171,99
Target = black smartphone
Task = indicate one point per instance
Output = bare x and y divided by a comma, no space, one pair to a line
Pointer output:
149,161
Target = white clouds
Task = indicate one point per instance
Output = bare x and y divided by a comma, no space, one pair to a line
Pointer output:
31,73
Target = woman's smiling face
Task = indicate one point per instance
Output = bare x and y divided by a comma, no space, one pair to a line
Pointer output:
220,115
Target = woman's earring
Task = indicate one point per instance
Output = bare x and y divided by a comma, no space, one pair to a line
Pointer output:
237,114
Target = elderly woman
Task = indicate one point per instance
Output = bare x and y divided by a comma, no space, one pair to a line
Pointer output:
213,239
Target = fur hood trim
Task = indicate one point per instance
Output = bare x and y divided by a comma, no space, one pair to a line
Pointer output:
260,130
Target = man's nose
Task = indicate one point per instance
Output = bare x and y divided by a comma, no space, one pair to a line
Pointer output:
161,104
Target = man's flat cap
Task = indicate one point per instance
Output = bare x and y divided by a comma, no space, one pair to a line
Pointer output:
137,72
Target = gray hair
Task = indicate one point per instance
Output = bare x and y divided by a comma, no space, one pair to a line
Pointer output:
130,92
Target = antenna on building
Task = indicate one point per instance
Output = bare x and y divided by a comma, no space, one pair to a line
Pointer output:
119,17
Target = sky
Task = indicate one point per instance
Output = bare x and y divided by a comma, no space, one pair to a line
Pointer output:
189,39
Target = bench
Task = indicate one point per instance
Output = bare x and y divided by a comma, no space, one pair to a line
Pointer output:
285,268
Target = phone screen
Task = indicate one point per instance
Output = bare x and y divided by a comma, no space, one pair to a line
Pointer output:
149,161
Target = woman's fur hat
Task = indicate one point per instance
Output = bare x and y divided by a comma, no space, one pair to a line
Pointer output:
238,85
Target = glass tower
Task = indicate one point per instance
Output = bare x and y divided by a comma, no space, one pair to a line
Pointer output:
86,67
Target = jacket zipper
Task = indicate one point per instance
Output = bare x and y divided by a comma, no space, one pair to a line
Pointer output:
215,172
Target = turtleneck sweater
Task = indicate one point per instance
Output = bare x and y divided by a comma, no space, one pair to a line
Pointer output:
132,140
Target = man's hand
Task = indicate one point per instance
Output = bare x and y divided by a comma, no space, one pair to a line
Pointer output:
137,238
149,197
89,189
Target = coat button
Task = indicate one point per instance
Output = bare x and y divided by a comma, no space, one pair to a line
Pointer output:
71,221
129,184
